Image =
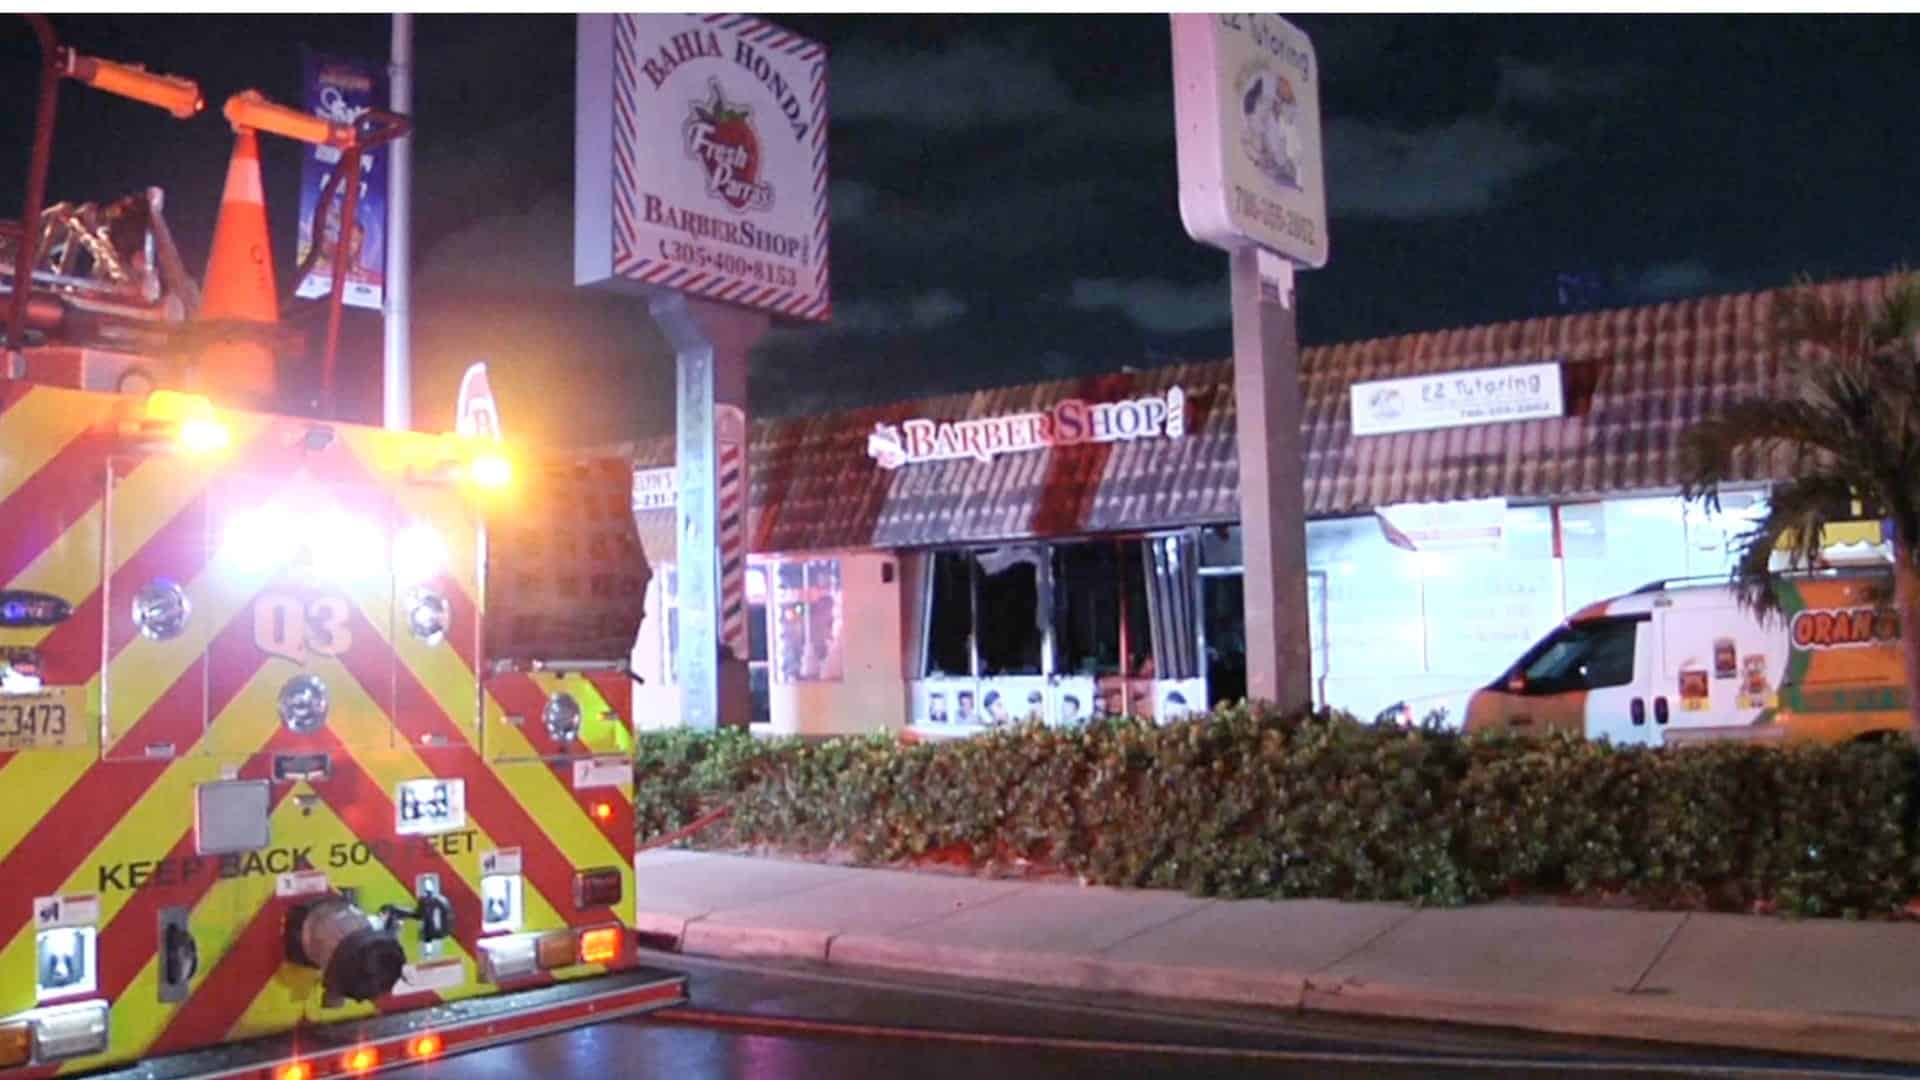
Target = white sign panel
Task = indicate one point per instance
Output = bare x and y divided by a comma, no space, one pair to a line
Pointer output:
1465,524
1246,108
1457,399
701,160
656,489
1067,424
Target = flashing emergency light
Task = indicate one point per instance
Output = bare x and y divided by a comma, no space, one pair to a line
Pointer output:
422,1047
419,554
603,812
294,1070
347,548
189,419
202,435
360,1059
600,945
490,470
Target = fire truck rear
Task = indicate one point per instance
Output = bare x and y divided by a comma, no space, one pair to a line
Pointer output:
315,738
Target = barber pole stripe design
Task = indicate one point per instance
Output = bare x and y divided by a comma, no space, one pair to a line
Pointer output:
731,506
632,261
113,814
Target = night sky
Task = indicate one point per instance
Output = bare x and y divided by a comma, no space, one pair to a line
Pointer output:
1004,196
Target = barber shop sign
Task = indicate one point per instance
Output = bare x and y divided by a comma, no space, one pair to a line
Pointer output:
1069,423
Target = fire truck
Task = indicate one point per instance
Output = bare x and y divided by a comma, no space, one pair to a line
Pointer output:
315,738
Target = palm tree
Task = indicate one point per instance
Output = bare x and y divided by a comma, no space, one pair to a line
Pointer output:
1848,431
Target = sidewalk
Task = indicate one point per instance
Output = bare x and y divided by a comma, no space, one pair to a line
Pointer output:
1816,987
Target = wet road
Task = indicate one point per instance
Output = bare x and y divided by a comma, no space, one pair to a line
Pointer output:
769,1022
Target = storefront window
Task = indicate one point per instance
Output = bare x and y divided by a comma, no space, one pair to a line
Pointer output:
1086,608
810,621
1712,536
950,615
1373,625
1486,605
820,636
1617,546
1007,600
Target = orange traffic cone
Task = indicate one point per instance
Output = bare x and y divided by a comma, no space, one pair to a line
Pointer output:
238,300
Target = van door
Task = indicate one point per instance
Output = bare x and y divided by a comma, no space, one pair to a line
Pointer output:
1586,678
1720,669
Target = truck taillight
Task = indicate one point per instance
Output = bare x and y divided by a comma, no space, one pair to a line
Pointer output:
601,945
16,1044
557,949
596,888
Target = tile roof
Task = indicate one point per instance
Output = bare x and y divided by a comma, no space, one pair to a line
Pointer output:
1633,379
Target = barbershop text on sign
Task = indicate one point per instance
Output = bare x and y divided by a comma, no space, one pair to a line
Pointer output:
1069,423
1457,399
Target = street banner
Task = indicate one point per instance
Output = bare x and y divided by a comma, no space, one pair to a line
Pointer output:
341,90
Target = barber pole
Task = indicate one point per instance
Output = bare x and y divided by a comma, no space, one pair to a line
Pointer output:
730,430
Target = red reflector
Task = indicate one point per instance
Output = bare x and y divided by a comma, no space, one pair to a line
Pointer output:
361,1059
596,888
294,1070
424,1046
601,945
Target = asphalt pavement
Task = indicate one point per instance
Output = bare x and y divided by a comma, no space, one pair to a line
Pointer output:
770,1021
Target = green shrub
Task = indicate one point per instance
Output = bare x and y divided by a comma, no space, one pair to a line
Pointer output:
1251,802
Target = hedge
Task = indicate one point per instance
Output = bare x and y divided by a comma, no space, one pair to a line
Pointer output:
1248,802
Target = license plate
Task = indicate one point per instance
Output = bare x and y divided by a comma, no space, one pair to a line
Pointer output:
48,719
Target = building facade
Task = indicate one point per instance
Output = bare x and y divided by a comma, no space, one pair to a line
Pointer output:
1070,548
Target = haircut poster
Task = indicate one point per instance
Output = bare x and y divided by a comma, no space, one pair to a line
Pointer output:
342,90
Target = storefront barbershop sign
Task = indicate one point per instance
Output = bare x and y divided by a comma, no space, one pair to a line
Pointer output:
1070,423
1457,399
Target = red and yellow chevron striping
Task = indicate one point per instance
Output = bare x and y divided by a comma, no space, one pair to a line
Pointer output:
244,705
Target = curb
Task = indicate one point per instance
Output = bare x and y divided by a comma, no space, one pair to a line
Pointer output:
1638,1016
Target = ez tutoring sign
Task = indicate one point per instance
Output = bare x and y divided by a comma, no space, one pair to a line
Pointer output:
1457,399
701,160
1070,423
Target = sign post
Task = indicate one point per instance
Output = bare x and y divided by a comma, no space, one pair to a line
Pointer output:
1247,114
700,183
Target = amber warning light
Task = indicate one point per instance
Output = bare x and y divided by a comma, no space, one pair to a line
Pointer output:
601,945
422,1047
294,1070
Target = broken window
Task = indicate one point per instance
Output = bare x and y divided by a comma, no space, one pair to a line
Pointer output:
950,614
1009,619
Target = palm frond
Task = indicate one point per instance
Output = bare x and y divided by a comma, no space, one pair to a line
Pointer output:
1798,512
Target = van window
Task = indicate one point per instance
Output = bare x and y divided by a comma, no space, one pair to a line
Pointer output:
1587,655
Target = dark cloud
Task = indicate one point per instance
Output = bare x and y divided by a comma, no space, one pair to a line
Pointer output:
1540,84
1459,167
1163,307
965,83
1673,280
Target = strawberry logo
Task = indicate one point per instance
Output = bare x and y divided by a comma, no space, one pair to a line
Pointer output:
720,136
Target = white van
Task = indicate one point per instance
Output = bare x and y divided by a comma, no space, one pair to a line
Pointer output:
1673,662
